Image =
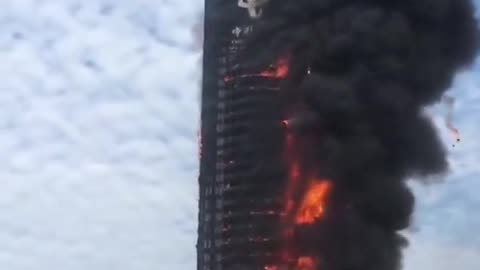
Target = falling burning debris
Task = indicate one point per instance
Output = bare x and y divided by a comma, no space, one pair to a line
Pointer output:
293,180
455,132
300,122
363,70
450,102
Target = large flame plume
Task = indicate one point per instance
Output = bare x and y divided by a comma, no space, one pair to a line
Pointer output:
312,206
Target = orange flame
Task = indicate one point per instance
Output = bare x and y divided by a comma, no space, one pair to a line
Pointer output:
312,206
305,263
280,70
277,71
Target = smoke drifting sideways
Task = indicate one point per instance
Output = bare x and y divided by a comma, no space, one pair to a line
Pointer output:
366,69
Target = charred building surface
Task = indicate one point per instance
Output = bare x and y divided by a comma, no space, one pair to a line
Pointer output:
240,199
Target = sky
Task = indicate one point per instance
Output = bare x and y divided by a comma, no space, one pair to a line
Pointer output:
99,114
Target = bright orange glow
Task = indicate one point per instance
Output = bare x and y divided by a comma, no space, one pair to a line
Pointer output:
280,70
313,204
305,263
294,177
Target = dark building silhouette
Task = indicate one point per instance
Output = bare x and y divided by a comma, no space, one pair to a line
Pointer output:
239,204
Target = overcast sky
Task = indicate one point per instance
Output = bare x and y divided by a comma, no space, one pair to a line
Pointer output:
98,166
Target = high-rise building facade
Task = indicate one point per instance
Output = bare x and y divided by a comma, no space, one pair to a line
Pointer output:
241,145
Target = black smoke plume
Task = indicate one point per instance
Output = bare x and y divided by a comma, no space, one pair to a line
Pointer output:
373,67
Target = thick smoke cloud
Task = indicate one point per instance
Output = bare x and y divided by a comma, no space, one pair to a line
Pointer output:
374,65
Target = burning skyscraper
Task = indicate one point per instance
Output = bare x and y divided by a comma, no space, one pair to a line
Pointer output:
312,121
239,206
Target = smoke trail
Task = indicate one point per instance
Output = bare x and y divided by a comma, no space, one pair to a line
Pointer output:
366,69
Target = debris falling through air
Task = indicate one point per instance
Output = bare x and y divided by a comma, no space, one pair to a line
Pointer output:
450,102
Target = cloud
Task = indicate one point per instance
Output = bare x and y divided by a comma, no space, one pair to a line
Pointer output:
431,255
98,135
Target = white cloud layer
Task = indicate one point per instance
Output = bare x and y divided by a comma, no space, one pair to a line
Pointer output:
99,111
433,255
